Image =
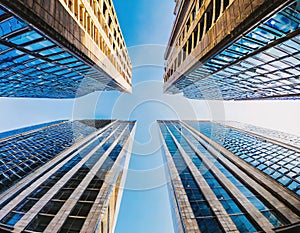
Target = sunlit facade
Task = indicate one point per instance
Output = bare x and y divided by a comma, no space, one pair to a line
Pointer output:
77,188
234,50
219,190
61,49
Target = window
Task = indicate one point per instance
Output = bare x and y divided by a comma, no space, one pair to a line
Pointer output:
190,44
104,7
76,8
208,19
201,33
72,225
217,9
81,209
226,3
196,35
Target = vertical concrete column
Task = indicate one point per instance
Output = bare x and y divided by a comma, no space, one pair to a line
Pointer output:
247,206
14,202
269,197
99,210
216,206
57,222
214,2
28,217
281,192
184,211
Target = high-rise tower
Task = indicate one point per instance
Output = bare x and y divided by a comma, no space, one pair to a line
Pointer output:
65,177
61,49
234,49
227,180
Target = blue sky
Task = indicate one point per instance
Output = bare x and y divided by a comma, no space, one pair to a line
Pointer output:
146,26
145,206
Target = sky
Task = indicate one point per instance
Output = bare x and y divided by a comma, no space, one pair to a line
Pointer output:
145,205
146,26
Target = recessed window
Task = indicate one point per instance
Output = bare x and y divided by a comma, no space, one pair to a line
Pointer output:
72,225
39,223
208,19
217,9
226,3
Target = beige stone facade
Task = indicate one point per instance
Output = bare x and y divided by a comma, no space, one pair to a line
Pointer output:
203,27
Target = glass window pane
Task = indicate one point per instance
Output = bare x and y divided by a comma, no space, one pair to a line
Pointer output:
243,224
26,37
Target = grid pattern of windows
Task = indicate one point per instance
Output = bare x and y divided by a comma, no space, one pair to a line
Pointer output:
10,133
274,72
258,201
45,186
206,219
229,203
76,218
191,34
287,138
241,72
210,166
100,16
19,211
23,153
83,207
34,66
278,162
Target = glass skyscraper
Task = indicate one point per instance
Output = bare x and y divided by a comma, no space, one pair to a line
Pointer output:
286,138
61,49
68,176
234,50
25,150
280,161
219,183
64,177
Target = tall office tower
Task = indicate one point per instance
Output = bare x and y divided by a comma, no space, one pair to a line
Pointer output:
277,159
234,49
61,49
25,150
290,139
218,182
67,181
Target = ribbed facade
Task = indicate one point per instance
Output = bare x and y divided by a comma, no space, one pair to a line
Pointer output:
78,190
234,50
217,190
286,138
280,161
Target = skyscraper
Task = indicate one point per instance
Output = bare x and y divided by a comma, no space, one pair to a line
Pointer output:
234,50
61,49
227,180
65,185
25,150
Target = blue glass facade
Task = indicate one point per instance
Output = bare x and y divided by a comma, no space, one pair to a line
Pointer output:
88,178
32,65
231,202
206,219
178,225
26,129
278,162
25,152
263,63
